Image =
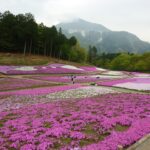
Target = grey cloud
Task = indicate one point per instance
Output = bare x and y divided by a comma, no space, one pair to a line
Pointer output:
130,15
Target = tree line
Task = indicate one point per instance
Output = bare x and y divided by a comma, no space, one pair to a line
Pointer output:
21,34
120,61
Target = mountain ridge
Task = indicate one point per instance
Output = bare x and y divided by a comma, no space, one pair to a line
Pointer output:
104,39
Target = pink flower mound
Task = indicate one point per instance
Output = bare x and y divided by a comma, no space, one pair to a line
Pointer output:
4,69
88,124
48,69
42,90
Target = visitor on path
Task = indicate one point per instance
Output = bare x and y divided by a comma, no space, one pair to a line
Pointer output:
72,79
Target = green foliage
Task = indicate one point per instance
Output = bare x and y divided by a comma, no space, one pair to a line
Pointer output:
78,54
124,61
121,62
21,34
92,54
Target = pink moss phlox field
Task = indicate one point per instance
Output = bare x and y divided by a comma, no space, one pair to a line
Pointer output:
88,124
4,69
42,90
133,80
52,69
14,83
67,79
47,69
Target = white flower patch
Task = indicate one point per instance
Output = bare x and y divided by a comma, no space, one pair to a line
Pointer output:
71,67
26,68
106,77
100,69
136,86
117,73
83,92
142,75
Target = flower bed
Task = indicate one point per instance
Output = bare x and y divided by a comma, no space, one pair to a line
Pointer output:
67,79
92,68
131,83
5,69
107,76
90,124
16,101
137,74
81,92
41,91
47,69
14,83
115,73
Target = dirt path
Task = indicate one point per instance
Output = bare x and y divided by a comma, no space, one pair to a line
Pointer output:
143,144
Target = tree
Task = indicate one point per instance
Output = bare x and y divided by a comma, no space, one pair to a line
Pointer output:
92,54
78,54
121,62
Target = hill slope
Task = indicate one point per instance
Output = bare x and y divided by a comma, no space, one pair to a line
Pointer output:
104,39
31,60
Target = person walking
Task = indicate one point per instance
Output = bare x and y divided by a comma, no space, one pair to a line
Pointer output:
72,79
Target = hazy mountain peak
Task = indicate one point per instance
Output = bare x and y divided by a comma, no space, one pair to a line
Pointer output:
81,24
105,40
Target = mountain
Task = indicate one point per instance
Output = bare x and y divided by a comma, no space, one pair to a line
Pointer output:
103,38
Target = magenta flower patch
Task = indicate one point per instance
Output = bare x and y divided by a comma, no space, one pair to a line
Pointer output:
100,123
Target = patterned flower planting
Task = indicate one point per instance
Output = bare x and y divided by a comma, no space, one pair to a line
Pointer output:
136,74
81,92
48,69
115,73
21,98
38,114
15,83
41,90
130,83
100,123
90,68
68,78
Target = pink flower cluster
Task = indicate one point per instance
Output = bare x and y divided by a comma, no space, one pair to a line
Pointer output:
41,90
48,69
67,79
100,123
16,83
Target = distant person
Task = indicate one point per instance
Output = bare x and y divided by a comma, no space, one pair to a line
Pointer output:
72,79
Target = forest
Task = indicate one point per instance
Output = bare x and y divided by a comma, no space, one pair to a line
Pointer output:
21,34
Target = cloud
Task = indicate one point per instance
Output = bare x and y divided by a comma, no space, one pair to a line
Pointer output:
130,15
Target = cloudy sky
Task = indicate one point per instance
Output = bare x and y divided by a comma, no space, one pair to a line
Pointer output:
129,15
